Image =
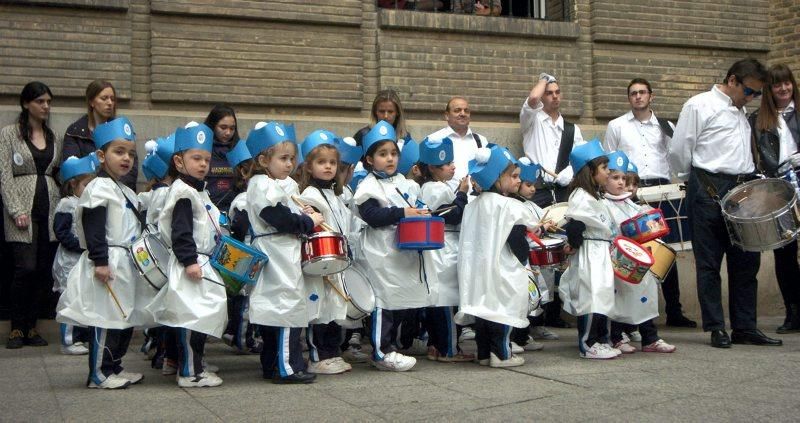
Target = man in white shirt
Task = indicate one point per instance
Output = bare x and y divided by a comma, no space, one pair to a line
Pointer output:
644,139
465,142
548,139
712,148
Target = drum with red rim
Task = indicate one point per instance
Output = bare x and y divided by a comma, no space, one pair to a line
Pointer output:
420,233
630,260
550,255
645,227
324,253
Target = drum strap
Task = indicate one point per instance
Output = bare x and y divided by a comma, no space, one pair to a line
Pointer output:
135,209
423,275
325,197
711,189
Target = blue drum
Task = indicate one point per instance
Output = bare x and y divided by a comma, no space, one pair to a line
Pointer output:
238,261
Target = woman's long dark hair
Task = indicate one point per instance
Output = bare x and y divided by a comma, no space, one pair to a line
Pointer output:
216,114
768,113
30,92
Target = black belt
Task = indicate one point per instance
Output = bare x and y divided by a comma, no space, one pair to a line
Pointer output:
737,179
651,182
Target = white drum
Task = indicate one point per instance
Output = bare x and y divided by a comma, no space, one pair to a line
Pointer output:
150,256
361,297
671,199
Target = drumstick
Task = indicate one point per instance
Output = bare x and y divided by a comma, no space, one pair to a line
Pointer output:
444,210
116,300
535,239
550,172
336,288
323,225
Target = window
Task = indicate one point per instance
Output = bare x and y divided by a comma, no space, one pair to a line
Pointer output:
552,10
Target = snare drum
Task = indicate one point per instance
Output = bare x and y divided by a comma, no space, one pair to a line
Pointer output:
556,213
671,200
645,227
324,253
150,257
551,255
761,215
420,233
361,298
534,296
238,261
630,260
663,258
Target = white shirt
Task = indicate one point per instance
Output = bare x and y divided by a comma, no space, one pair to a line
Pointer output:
645,143
464,149
787,144
541,136
712,134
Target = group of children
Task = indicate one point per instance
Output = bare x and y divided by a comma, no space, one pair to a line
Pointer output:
289,190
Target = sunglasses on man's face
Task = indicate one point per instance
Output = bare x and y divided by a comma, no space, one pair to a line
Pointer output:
751,92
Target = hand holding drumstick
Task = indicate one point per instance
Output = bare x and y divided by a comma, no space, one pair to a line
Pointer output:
315,216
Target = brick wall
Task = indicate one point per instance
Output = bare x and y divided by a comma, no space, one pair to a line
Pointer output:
785,34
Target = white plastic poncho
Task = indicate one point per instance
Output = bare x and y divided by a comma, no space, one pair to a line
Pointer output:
493,284
396,275
587,286
445,293
201,305
65,259
278,298
153,201
324,303
86,301
633,303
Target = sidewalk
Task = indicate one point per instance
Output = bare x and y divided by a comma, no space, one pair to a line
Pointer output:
696,383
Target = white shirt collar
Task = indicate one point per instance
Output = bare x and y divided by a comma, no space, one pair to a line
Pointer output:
652,120
453,132
721,95
789,108
559,123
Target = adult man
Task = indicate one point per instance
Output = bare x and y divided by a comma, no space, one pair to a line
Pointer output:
465,142
548,139
644,138
712,148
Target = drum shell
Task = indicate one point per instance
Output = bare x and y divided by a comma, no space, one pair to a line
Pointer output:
638,228
238,261
627,267
552,254
420,233
769,230
664,258
149,256
324,253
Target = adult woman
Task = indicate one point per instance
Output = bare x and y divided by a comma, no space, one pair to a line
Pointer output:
29,157
776,128
220,179
386,106
101,104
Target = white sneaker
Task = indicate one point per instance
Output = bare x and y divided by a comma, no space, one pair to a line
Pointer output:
599,351
395,362
209,367
533,345
354,355
541,332
74,349
512,361
516,349
169,368
328,366
636,336
467,334
355,340
111,382
132,377
418,347
616,351
346,365
202,380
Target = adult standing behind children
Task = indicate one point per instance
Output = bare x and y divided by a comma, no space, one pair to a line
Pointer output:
222,120
466,143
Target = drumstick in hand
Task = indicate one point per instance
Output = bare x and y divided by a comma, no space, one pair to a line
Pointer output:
336,288
323,225
550,172
535,239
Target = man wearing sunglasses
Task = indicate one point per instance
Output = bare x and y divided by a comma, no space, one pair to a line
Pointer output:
712,148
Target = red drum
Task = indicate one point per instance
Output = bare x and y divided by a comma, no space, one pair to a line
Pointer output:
630,260
551,255
420,233
324,253
645,227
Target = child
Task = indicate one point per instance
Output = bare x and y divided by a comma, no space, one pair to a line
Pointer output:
75,173
278,301
632,180
326,305
492,279
436,168
587,286
399,277
636,305
101,288
192,303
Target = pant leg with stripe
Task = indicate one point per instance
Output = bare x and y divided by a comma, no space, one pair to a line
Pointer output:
381,333
323,341
191,348
592,328
442,330
103,345
73,334
282,352
170,339
494,335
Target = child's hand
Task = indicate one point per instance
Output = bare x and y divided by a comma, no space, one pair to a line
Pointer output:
317,218
568,250
412,211
308,210
194,272
548,225
463,186
103,274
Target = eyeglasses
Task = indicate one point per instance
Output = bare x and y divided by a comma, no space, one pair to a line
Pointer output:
640,92
751,92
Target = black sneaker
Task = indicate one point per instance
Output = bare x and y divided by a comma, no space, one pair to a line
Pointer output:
299,377
34,339
15,340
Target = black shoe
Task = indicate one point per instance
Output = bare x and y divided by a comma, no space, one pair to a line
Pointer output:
299,377
15,340
557,323
792,322
681,321
720,339
34,339
753,337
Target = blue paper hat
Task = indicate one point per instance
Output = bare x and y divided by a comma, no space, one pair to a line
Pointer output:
197,136
382,131
93,157
409,156
529,171
74,166
617,160
585,153
632,168
358,175
489,164
265,136
153,167
117,129
436,152
166,148
349,153
238,154
316,139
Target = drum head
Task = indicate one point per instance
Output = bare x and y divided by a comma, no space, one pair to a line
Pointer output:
633,250
158,250
357,287
758,199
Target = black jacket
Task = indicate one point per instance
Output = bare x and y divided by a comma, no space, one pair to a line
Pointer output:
78,142
768,144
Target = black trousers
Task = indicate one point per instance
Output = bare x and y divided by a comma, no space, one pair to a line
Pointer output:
238,323
787,272
33,264
443,332
492,337
106,349
282,355
323,341
646,329
191,349
710,242
545,197
592,328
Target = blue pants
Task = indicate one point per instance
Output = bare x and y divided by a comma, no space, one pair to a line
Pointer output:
106,349
442,330
492,337
282,355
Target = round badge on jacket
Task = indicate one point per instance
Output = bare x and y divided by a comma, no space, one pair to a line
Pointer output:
18,159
